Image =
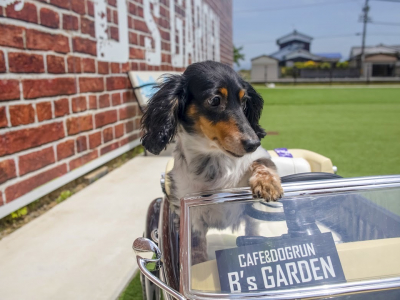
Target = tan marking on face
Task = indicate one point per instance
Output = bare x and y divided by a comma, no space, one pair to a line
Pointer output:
192,111
226,133
224,92
241,94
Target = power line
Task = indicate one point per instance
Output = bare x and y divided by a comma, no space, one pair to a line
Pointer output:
394,1
385,23
291,7
324,37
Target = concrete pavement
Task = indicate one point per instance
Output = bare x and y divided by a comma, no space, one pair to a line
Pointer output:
81,248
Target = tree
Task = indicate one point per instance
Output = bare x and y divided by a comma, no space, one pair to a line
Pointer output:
237,55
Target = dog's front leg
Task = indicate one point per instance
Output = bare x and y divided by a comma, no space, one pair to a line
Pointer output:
264,180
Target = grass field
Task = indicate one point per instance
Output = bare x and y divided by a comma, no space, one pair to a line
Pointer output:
357,128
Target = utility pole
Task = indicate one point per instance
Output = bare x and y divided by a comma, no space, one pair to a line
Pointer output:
365,20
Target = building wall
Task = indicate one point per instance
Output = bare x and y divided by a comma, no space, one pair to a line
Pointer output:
264,73
65,97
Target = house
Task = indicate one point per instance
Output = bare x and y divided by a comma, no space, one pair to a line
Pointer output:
264,68
295,47
379,61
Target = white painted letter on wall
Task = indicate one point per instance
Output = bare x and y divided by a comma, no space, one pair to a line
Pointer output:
108,50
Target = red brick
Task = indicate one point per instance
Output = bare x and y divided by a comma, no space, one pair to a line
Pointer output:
115,68
108,134
49,18
2,62
81,144
119,130
102,67
61,3
80,161
70,22
28,13
7,170
87,27
84,46
79,104
127,112
91,84
74,64
109,148
104,100
166,58
133,38
61,107
88,65
15,141
11,36
35,88
65,149
79,124
114,32
128,96
9,90
140,25
94,140
115,17
90,8
25,63
3,117
112,2
55,64
128,139
117,83
38,40
92,102
137,123
78,6
22,114
116,99
25,186
137,53
132,8
43,111
105,118
130,22
35,160
109,15
129,126
125,67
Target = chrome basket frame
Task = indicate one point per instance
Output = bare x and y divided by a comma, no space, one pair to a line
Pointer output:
291,190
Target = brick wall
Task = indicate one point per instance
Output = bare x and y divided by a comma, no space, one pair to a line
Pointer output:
61,105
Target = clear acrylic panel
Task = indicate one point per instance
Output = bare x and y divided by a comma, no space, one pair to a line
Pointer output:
365,227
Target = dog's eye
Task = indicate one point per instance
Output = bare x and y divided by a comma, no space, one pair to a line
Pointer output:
214,101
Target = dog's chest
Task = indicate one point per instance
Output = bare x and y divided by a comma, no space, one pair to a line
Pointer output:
206,173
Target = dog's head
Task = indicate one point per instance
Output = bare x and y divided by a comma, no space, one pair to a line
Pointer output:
209,100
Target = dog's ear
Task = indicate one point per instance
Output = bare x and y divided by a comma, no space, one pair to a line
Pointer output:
253,109
160,119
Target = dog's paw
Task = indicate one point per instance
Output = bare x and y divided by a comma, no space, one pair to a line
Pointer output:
266,185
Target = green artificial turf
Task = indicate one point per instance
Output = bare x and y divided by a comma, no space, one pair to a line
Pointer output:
357,128
133,291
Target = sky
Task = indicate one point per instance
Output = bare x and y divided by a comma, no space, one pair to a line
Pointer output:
334,24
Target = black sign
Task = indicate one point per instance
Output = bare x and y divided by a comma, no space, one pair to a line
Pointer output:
280,263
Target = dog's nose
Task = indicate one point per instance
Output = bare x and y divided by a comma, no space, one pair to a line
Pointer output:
250,145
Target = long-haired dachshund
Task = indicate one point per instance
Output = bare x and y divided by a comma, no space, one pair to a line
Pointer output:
213,114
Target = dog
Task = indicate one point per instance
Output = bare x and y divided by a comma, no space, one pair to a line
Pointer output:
213,114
